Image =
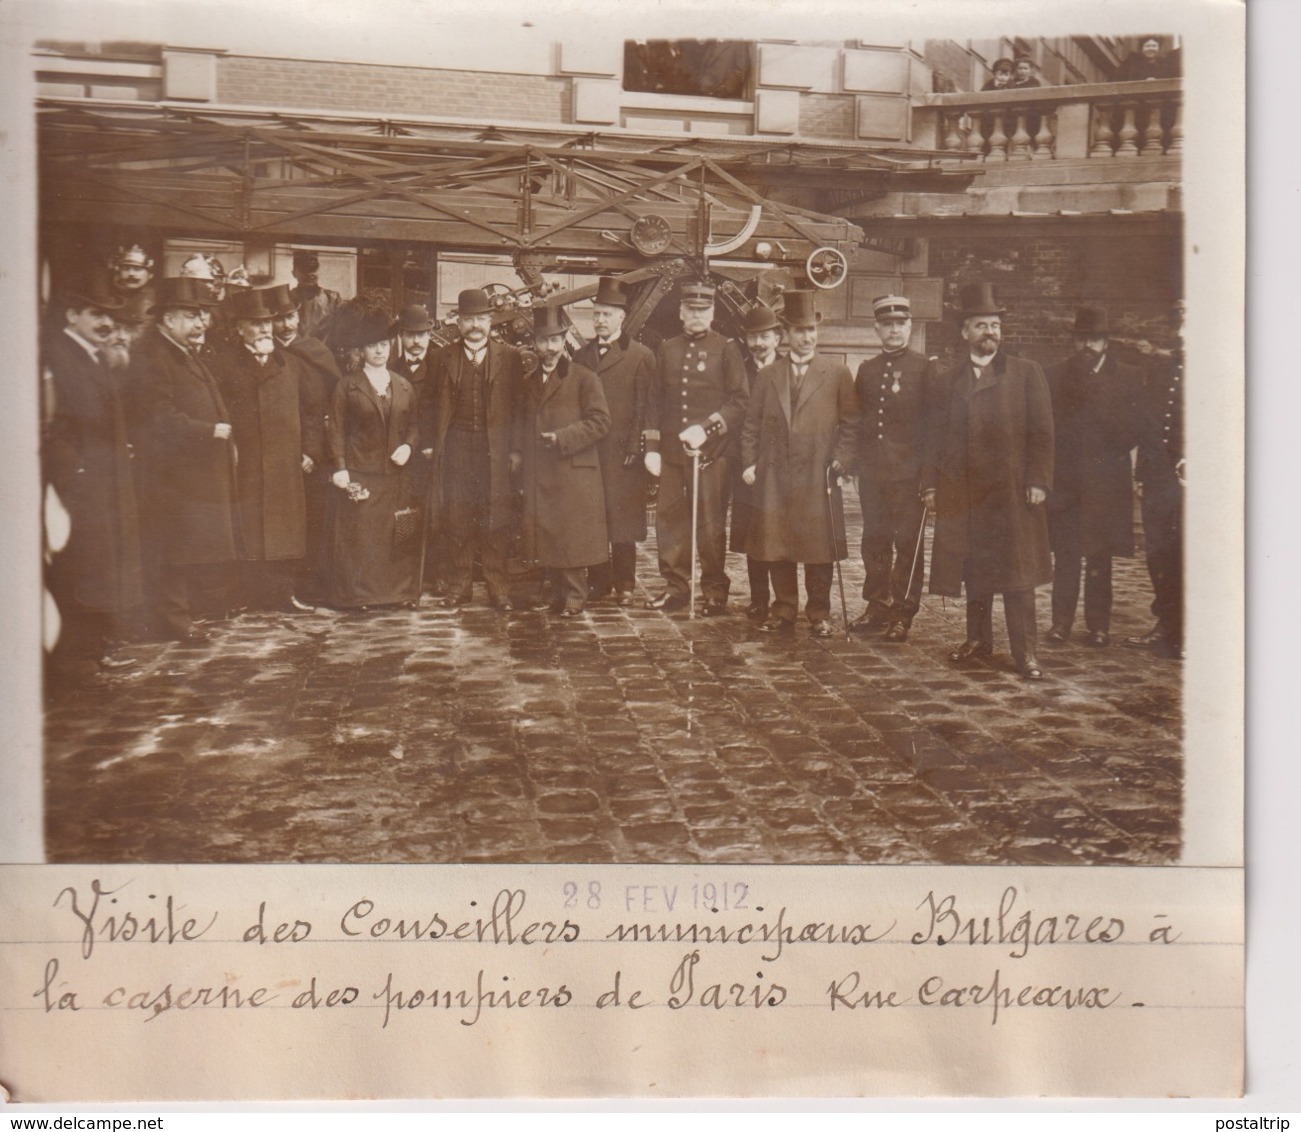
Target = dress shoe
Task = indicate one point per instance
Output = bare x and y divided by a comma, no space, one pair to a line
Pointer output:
623,598
821,628
868,620
568,613
714,607
970,650
897,632
296,606
757,611
455,601
545,605
1098,639
1059,634
1156,636
782,625
1030,670
668,602
116,663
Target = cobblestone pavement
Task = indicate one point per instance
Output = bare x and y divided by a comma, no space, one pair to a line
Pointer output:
627,735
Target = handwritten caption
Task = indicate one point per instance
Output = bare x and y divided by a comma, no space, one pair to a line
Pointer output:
713,946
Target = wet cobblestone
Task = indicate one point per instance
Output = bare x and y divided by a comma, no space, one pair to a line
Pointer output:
626,735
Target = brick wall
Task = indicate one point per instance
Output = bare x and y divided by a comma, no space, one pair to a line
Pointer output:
366,89
826,116
1042,281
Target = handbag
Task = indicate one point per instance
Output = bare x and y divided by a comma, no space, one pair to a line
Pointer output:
406,526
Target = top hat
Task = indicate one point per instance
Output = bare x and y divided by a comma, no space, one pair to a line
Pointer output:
248,304
610,293
183,291
308,260
135,256
473,301
799,309
759,318
1091,322
413,319
978,298
548,320
93,293
697,295
891,306
279,300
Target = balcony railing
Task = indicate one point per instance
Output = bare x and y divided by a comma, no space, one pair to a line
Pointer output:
1098,121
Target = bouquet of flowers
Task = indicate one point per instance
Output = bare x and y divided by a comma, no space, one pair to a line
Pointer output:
356,492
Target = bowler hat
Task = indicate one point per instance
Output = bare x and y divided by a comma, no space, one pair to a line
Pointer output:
183,291
279,300
799,309
1091,322
473,301
978,298
697,295
93,293
414,318
610,292
548,320
759,318
891,306
248,304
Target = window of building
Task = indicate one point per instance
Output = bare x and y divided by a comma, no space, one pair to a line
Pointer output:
705,68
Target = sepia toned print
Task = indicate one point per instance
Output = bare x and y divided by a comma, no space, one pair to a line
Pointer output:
349,638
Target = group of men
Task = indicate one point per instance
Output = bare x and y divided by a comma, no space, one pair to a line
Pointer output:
190,460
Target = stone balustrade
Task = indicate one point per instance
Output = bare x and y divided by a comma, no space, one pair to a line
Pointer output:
1094,121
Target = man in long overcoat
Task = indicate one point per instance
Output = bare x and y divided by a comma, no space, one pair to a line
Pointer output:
190,459
265,396
96,578
697,404
563,418
467,419
799,438
993,470
762,337
1091,508
627,370
901,400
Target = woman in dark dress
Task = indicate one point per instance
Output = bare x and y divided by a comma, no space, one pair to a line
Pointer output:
370,439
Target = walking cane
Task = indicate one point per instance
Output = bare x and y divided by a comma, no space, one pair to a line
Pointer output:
695,505
424,539
835,548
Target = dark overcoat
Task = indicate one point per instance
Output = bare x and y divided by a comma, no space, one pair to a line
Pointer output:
997,441
627,372
1096,424
360,436
90,462
266,410
564,505
190,474
791,444
505,368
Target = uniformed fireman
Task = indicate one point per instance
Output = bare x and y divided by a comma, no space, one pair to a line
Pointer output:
900,403
697,404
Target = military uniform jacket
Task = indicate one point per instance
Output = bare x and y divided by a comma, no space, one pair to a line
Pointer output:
564,505
901,408
504,369
790,443
996,441
90,463
1161,446
627,373
190,474
699,381
265,403
1096,424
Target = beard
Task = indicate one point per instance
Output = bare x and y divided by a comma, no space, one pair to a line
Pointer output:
262,345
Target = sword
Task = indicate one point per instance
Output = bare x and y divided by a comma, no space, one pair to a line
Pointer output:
695,505
835,553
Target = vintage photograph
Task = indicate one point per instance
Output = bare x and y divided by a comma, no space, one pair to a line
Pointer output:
576,446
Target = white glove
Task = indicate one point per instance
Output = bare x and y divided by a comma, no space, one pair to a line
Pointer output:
748,476
654,463
341,478
693,436
307,464
401,454
221,431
